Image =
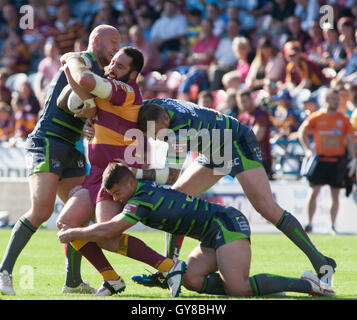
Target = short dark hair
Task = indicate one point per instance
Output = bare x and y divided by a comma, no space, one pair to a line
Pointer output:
136,56
149,112
115,173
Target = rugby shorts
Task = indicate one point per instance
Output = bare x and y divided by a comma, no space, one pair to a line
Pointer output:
242,152
227,225
50,154
328,172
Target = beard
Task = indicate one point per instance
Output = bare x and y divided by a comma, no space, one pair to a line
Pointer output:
125,78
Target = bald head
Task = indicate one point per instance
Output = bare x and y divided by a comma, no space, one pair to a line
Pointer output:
102,30
104,42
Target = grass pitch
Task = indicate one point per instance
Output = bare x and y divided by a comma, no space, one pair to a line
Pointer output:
39,271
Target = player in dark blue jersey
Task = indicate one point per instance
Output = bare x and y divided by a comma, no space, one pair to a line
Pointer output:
55,165
226,147
223,232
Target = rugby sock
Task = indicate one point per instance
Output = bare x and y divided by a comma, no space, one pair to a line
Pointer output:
73,266
263,284
135,248
20,236
94,254
173,244
292,228
213,284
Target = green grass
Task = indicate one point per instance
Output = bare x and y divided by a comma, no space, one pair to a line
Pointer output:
271,253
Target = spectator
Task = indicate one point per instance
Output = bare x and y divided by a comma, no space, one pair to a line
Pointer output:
354,13
225,58
213,13
11,20
334,53
352,97
265,97
5,92
331,130
152,59
124,35
26,110
307,11
285,117
344,96
49,65
243,11
230,106
206,99
145,22
194,28
6,122
282,10
81,44
259,120
233,79
314,47
35,37
66,29
266,64
127,18
301,72
349,73
353,106
346,29
309,107
199,60
106,15
170,29
295,33
17,55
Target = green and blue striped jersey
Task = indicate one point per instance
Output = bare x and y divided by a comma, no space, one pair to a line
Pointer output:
196,128
169,210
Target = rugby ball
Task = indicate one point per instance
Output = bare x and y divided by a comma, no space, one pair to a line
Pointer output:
75,104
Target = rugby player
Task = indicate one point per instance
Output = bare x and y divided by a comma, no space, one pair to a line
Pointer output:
116,109
226,147
54,163
223,231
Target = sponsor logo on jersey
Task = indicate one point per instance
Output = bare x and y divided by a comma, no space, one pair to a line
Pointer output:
131,208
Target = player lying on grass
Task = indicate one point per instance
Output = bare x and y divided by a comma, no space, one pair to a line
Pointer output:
223,231
225,147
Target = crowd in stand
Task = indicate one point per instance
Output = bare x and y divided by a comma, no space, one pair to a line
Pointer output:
266,62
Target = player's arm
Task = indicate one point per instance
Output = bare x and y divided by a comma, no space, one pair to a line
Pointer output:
89,110
303,134
97,232
165,175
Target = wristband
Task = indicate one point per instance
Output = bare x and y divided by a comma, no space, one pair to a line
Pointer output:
162,175
139,174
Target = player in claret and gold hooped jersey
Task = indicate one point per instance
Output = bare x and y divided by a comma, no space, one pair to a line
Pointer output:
55,165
